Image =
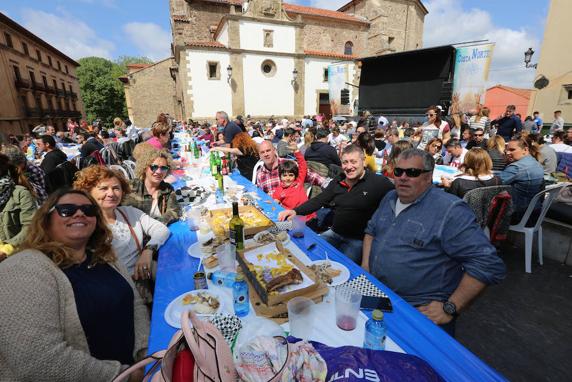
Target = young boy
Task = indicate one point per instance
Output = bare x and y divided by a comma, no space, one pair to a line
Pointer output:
291,193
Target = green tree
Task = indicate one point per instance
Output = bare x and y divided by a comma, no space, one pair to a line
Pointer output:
102,92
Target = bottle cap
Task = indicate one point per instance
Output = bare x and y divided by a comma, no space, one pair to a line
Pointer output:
239,276
377,315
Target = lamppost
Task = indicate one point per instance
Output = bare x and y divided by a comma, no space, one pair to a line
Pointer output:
294,76
527,57
229,73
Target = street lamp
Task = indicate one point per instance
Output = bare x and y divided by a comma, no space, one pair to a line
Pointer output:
229,73
294,76
527,57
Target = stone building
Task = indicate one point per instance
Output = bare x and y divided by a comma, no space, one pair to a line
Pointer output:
554,70
149,90
268,57
39,83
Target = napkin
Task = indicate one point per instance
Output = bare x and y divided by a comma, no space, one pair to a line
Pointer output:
365,287
228,325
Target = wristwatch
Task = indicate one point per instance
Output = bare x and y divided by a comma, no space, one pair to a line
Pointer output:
153,248
450,308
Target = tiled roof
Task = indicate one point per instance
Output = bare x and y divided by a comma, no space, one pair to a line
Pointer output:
329,54
309,11
181,18
206,44
525,93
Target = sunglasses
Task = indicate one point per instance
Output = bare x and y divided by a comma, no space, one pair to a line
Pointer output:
69,210
410,172
155,167
479,135
430,115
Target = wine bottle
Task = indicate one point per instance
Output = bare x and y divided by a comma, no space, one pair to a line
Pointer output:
236,230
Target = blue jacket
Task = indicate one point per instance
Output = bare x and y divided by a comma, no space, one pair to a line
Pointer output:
526,176
508,126
423,253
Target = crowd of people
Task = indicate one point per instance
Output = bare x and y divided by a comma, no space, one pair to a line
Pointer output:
80,239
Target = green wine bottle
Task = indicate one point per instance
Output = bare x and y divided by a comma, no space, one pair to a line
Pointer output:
220,179
236,230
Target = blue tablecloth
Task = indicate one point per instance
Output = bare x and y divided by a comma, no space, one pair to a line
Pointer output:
414,333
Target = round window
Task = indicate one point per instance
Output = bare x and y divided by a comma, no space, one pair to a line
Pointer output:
268,68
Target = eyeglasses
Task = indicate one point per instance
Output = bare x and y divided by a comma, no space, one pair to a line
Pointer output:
69,210
155,167
437,146
430,115
410,172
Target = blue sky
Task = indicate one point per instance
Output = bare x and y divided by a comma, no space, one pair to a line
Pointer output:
112,28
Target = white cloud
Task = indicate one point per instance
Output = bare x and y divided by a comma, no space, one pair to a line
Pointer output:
447,22
151,40
68,34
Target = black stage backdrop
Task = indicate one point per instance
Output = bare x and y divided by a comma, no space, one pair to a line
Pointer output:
407,83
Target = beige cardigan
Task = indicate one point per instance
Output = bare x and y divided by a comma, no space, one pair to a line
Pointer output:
41,337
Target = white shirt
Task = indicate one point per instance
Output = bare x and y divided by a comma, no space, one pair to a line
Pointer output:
450,160
399,207
561,147
335,141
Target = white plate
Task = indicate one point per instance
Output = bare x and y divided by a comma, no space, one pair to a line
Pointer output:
195,249
176,307
339,279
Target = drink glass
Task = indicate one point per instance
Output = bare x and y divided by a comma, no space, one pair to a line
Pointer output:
347,307
226,258
300,317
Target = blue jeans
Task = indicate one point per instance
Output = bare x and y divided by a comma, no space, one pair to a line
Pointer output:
352,248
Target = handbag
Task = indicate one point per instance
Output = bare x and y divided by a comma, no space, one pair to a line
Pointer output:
145,288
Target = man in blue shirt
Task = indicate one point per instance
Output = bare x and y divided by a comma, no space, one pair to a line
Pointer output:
230,129
509,125
425,244
538,121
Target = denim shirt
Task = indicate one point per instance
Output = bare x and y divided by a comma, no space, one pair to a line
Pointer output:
526,176
423,253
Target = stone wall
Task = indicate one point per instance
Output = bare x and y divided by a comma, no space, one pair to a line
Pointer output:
151,91
201,16
331,36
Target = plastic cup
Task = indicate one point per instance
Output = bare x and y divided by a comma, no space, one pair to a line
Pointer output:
300,317
298,225
348,302
226,258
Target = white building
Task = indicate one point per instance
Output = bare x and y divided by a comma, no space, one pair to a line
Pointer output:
257,66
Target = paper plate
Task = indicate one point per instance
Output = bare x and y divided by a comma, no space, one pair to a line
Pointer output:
176,308
339,279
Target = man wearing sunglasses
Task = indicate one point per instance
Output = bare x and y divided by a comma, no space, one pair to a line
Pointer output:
426,246
478,140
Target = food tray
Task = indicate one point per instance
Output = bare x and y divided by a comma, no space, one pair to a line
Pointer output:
254,220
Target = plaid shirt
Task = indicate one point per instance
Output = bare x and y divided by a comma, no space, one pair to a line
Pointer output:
269,180
36,177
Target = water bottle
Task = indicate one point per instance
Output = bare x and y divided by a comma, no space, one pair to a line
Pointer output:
224,279
375,332
240,296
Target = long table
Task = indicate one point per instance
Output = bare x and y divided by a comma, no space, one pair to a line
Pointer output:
412,332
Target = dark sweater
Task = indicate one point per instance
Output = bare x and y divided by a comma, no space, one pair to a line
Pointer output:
52,160
322,153
499,160
353,207
461,186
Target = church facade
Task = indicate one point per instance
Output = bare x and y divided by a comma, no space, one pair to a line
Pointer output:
267,57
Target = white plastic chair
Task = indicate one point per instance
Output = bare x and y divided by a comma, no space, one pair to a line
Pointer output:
547,196
258,164
122,170
129,166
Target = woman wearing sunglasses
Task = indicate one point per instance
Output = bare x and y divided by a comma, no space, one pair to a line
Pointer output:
435,148
149,192
435,127
128,225
69,309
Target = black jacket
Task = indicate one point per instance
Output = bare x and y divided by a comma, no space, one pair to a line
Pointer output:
322,153
353,207
52,160
89,147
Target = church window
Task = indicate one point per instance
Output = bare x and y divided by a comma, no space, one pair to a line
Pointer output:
268,38
213,70
268,68
349,48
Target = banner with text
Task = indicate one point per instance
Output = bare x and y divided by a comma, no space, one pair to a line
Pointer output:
472,65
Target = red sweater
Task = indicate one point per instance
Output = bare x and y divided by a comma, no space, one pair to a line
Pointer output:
294,195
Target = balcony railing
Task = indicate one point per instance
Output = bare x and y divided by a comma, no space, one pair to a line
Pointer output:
33,112
22,84
38,86
60,92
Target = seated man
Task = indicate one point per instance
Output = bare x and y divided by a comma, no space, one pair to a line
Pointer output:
558,144
455,154
268,175
478,139
283,147
355,195
426,246
320,151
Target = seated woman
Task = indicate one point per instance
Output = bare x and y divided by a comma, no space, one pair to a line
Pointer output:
495,148
27,170
366,142
524,173
17,207
161,133
466,137
435,147
246,152
477,172
149,192
129,225
398,148
73,306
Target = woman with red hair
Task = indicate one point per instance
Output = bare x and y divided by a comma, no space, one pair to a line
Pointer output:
246,152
